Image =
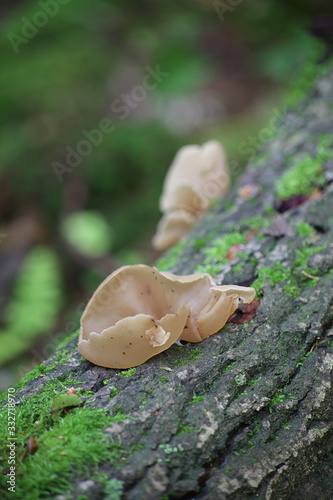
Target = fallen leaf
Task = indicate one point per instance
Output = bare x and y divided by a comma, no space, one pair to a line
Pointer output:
64,402
244,313
233,250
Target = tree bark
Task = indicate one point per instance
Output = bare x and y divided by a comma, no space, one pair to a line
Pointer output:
247,413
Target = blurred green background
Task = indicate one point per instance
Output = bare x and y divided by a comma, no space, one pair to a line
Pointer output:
69,65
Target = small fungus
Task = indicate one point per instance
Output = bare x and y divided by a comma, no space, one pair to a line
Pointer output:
172,228
132,317
197,177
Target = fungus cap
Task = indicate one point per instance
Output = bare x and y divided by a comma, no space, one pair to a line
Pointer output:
138,312
172,227
197,176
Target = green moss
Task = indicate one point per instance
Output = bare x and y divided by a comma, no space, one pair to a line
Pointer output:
278,397
304,229
301,179
68,338
306,175
199,243
253,432
171,257
58,359
229,206
229,367
114,392
256,223
216,255
252,261
303,358
195,399
211,269
84,443
293,276
253,382
274,275
183,429
324,147
113,489
192,357
128,373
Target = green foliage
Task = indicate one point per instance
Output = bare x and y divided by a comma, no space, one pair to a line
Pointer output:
113,489
35,303
88,232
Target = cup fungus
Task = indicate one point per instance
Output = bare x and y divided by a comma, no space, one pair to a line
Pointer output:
197,176
172,228
138,312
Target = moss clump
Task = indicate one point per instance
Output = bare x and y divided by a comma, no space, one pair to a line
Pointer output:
58,359
248,261
192,357
306,175
304,229
293,276
256,223
171,257
195,399
301,179
216,255
82,443
128,373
